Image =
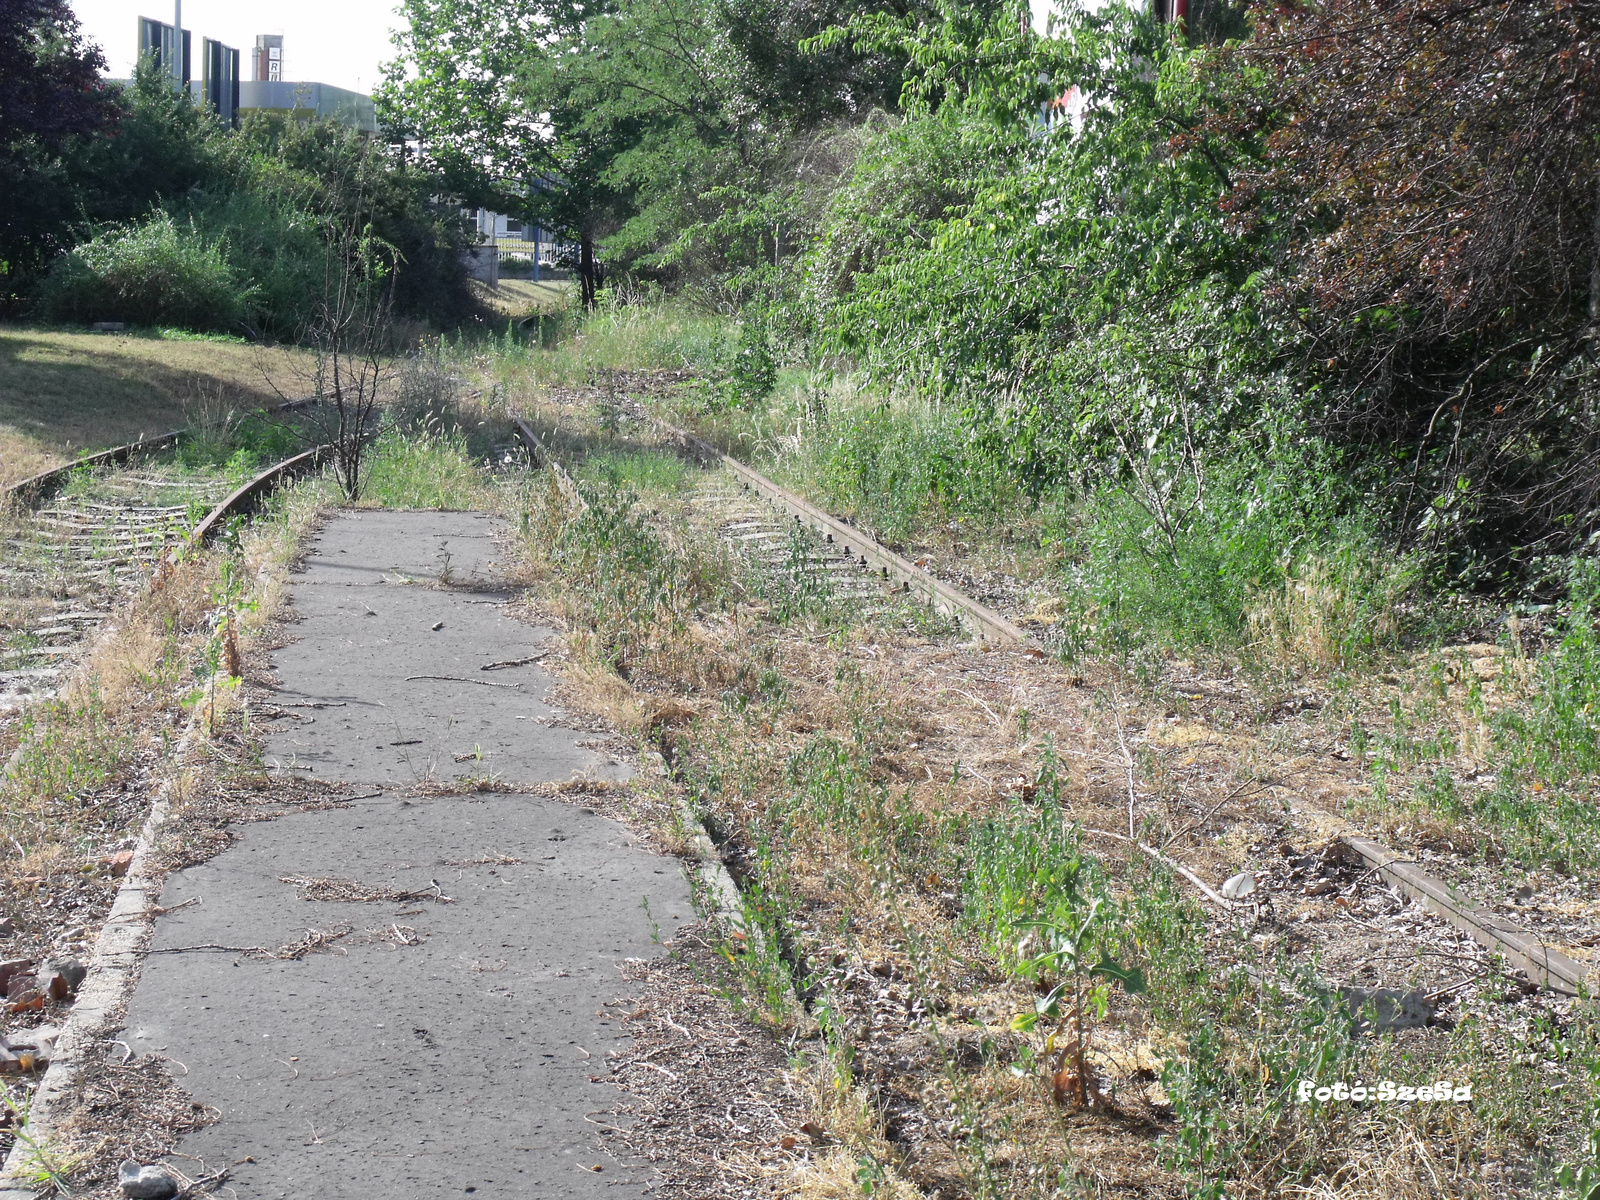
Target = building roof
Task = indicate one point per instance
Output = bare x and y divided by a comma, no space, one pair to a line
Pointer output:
326,101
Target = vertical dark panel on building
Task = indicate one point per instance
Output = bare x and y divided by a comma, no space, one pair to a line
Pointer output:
221,80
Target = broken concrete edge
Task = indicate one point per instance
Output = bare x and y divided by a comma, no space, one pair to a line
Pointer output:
113,970
721,894
1546,967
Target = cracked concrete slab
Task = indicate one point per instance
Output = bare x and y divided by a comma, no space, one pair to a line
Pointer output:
394,661
435,1047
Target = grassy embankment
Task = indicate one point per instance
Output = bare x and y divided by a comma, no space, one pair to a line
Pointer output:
63,394
913,818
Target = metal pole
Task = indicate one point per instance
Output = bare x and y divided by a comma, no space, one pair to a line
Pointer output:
177,42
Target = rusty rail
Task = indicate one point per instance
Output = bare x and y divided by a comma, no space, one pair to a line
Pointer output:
36,487
247,497
541,458
981,621
1544,966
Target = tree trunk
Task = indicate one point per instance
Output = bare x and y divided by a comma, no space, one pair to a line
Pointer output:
586,269
1594,263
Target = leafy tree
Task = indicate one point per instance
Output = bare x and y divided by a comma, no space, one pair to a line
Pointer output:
664,129
51,98
50,88
164,147
1430,172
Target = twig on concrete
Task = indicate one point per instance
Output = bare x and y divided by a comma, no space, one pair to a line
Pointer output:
516,662
210,946
459,679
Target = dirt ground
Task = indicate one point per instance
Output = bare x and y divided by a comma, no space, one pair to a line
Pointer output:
65,394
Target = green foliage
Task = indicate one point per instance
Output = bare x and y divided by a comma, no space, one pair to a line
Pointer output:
238,442
1265,547
429,469
902,469
687,134
749,372
640,587
1559,740
176,209
1547,754
157,272
906,179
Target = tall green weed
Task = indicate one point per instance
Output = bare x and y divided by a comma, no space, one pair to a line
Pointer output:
151,272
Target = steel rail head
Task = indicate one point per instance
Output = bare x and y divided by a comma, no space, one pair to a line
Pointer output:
539,456
983,622
1547,967
36,488
246,497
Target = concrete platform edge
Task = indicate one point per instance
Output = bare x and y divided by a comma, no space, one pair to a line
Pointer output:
112,971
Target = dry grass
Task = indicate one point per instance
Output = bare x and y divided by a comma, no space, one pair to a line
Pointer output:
1229,774
65,394
93,758
518,298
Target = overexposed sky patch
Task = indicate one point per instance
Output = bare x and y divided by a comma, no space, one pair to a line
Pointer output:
342,42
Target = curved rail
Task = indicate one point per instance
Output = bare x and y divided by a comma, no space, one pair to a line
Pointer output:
248,496
34,488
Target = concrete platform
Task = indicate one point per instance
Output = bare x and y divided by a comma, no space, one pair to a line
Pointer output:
397,617
464,1063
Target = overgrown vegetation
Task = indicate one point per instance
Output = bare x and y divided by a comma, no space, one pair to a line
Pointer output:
133,204
988,1005
1249,363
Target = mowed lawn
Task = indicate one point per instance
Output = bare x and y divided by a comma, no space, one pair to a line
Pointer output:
66,394
517,298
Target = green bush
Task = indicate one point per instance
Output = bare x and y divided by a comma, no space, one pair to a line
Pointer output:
275,244
904,469
1265,552
749,372
153,272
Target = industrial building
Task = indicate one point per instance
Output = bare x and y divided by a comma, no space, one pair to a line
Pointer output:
221,88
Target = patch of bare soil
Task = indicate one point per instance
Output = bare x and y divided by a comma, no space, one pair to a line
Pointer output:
712,1104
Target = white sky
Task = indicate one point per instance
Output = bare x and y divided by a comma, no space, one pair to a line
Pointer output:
342,42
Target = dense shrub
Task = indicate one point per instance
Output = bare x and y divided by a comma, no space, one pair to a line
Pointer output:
154,272
171,198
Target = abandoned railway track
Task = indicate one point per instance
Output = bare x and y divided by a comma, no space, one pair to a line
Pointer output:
786,537
80,539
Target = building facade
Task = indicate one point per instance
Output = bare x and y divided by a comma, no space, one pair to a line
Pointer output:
221,88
